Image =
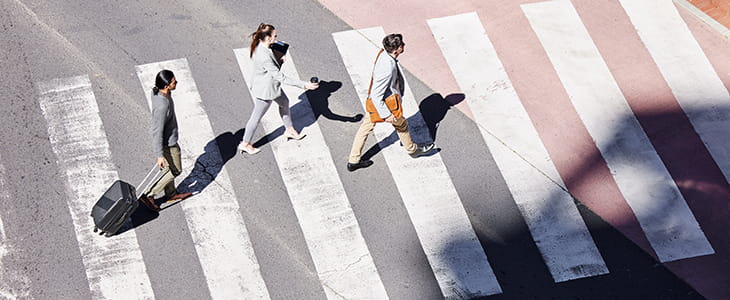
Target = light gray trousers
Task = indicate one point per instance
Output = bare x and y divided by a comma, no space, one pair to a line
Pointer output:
259,109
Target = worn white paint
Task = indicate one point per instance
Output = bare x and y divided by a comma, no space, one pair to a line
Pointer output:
554,222
13,283
695,84
114,266
341,256
639,173
446,235
213,216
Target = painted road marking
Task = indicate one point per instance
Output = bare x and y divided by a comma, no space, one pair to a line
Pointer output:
554,222
424,185
641,176
213,216
340,254
13,284
114,266
692,79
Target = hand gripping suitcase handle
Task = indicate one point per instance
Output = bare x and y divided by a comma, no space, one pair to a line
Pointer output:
158,176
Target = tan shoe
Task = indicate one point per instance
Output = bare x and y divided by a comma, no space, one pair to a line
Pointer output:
250,151
296,137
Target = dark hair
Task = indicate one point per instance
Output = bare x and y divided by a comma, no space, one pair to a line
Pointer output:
392,42
262,32
163,79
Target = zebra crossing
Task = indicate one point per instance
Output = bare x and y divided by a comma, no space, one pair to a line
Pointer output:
425,187
330,228
699,97
604,111
216,226
115,267
533,180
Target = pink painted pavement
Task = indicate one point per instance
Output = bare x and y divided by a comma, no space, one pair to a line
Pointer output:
570,146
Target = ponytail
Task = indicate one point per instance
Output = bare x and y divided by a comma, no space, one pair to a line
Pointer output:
262,32
162,80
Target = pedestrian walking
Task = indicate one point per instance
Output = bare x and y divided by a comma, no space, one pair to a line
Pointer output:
164,141
384,103
266,82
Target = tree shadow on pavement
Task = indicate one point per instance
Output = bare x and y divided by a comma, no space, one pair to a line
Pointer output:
634,270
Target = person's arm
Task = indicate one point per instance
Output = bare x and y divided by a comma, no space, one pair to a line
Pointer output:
276,73
382,75
159,115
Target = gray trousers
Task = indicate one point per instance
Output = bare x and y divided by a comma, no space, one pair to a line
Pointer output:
259,109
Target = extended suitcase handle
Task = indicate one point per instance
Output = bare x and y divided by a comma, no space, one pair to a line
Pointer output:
158,175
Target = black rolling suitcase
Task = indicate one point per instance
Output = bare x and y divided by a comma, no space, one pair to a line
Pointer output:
117,204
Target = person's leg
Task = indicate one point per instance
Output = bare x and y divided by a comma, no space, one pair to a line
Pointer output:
259,109
285,113
360,137
175,165
171,192
168,178
401,127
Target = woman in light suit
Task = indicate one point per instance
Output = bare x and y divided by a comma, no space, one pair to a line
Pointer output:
266,86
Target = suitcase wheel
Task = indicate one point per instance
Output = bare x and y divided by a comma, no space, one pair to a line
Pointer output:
96,229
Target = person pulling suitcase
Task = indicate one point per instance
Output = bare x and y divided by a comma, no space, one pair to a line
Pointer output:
164,141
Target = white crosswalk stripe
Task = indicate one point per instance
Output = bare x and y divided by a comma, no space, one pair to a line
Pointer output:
213,217
695,84
13,284
114,266
554,221
637,169
343,261
424,185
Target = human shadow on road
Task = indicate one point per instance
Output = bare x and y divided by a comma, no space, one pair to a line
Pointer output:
312,105
319,101
208,165
422,125
434,108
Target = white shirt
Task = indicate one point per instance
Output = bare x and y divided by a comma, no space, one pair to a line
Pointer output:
387,80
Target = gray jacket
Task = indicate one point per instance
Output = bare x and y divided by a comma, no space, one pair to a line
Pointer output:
164,123
267,76
387,80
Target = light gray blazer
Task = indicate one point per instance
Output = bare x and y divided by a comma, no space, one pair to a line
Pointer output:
267,76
